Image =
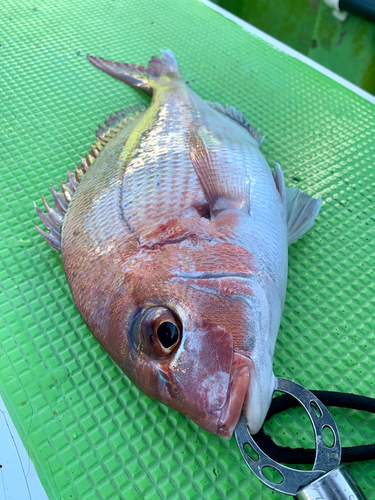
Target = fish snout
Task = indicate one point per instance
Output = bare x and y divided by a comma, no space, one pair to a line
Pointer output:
208,382
196,381
237,391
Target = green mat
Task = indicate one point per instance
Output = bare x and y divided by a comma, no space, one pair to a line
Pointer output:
91,434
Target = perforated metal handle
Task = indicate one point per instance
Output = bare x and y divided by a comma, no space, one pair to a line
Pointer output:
327,457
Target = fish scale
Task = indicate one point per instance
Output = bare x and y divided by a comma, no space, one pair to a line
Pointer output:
174,242
160,181
98,200
242,150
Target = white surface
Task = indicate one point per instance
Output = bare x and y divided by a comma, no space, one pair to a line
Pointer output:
291,52
18,478
334,4
340,14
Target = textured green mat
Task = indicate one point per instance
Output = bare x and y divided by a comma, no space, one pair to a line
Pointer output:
90,433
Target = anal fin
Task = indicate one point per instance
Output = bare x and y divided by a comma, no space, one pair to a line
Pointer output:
239,117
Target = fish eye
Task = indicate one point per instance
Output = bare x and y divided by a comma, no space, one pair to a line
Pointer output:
167,333
159,332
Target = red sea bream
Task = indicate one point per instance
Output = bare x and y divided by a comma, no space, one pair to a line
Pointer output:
174,235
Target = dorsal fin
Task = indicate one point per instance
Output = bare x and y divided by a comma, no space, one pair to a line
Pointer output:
239,117
115,123
53,219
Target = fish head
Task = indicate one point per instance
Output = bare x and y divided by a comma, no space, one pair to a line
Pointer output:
179,321
178,356
180,331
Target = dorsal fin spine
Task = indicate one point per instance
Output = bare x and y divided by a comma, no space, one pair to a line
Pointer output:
53,219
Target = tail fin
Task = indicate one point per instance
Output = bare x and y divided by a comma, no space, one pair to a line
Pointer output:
142,77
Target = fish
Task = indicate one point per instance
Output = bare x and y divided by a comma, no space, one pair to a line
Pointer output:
174,235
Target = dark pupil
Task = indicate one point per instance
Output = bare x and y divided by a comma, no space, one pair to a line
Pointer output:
167,334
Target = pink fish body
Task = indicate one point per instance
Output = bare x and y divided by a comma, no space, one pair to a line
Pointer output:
174,235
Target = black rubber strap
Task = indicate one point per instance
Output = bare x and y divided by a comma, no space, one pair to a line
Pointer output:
289,455
362,8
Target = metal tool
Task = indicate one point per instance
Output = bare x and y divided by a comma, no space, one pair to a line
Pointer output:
326,480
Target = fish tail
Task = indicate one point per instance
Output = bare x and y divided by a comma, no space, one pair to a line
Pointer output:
142,77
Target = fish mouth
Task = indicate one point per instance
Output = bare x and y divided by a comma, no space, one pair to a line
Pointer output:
237,390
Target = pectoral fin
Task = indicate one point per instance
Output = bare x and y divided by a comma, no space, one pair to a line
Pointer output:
225,186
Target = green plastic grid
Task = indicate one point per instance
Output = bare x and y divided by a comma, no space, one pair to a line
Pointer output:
91,434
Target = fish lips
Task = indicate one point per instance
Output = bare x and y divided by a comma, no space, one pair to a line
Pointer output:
207,381
197,379
237,391
221,420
